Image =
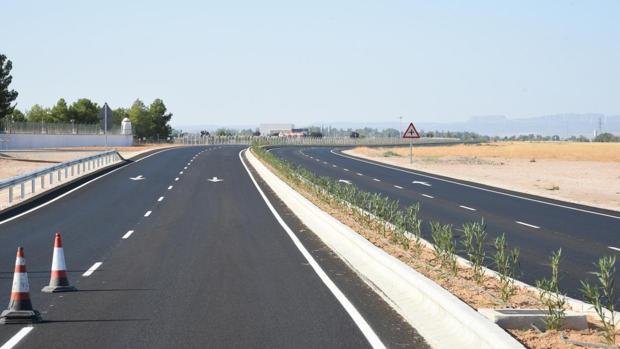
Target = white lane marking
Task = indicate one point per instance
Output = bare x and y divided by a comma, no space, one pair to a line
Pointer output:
361,323
324,162
346,169
148,213
80,187
161,198
422,183
127,235
528,225
176,179
376,180
614,248
317,160
359,174
17,337
467,208
181,172
185,168
344,181
92,269
483,189
428,196
170,187
334,166
397,186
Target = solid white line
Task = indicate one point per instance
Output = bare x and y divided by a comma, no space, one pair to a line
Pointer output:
398,186
528,225
92,269
467,208
17,337
148,213
161,198
176,179
170,187
80,187
376,180
614,248
428,196
127,235
361,323
479,188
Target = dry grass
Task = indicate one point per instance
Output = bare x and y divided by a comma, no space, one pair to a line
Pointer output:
574,151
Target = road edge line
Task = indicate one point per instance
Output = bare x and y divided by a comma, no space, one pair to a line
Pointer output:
359,320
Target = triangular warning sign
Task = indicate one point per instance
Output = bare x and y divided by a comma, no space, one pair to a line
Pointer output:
411,132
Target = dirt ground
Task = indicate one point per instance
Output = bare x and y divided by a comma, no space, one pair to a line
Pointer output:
584,173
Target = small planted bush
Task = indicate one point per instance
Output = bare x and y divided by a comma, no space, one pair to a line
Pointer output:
601,296
507,263
551,296
474,235
443,241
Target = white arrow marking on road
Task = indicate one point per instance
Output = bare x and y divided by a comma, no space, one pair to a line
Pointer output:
422,183
344,181
215,180
138,178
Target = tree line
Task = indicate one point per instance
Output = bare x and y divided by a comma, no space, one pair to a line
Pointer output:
150,122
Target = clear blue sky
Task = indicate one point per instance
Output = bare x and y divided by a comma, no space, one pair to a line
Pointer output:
246,62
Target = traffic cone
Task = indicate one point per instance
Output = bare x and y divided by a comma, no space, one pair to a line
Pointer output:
58,281
20,308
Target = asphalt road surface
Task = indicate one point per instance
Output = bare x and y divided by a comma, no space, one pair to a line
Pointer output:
536,225
177,261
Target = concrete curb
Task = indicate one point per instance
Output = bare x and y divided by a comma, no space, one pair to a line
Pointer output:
440,317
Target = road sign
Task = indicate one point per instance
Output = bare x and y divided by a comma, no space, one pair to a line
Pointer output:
411,132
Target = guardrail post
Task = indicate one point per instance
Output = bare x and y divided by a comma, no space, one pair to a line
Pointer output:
10,195
23,190
58,175
32,186
66,172
42,182
51,178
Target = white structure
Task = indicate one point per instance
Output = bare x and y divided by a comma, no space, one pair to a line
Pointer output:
126,127
275,129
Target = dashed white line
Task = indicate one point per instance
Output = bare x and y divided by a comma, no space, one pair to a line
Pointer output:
181,172
398,186
324,162
359,174
17,337
334,166
528,225
161,198
346,169
376,180
92,269
614,248
148,213
170,187
185,168
127,235
428,196
467,208
176,179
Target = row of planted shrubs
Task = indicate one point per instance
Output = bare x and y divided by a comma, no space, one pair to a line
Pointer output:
404,228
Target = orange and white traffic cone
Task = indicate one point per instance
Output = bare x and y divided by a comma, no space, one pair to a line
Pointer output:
20,308
58,281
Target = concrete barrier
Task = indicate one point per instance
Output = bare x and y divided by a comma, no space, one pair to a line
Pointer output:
440,317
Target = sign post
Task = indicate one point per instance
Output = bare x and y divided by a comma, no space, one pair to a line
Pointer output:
411,133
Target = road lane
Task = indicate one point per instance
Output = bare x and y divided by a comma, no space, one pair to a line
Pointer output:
538,229
211,267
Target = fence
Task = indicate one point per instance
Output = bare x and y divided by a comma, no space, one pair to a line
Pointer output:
327,141
28,185
54,128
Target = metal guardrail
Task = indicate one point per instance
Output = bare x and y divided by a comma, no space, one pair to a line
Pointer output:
54,128
43,179
342,141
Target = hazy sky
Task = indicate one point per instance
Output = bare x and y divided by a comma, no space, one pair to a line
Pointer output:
245,62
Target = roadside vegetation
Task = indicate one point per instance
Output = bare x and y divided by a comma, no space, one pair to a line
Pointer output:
399,231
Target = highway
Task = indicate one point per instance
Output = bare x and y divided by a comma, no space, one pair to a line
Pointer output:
180,249
536,225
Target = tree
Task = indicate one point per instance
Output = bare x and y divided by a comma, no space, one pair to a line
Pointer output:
84,111
38,114
118,115
160,128
140,119
17,116
60,112
6,96
606,137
